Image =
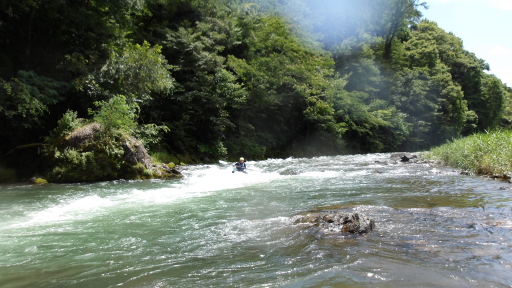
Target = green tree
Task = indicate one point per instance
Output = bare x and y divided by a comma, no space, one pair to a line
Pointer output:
506,121
45,46
398,14
356,58
284,80
198,111
25,104
464,67
425,89
116,116
493,97
132,70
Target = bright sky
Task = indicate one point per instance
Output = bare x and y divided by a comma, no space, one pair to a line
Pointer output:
485,27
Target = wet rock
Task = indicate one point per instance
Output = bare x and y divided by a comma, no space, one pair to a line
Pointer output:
163,171
336,222
403,156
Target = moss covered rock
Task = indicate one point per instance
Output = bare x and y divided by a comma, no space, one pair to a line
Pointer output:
35,180
87,154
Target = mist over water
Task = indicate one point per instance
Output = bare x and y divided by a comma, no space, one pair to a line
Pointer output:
214,228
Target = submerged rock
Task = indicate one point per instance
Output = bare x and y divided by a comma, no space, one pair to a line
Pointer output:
336,222
289,171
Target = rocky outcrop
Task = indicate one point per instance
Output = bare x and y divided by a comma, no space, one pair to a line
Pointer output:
134,151
335,222
134,163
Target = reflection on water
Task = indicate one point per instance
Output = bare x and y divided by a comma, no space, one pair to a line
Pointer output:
434,228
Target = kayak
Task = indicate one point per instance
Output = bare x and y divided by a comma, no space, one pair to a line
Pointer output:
234,170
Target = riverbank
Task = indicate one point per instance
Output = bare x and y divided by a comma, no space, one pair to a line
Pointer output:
488,154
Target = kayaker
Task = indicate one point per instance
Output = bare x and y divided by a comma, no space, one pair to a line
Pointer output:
240,166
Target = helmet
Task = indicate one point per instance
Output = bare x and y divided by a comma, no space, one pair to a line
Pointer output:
242,158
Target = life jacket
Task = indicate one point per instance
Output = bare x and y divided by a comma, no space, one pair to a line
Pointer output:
240,166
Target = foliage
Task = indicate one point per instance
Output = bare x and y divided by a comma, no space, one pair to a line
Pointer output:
426,89
66,124
151,135
248,146
85,165
398,14
506,121
116,116
286,84
198,111
27,101
162,157
18,106
493,97
217,150
133,70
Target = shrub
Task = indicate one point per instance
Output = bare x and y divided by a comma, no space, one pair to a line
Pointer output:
116,116
162,157
66,124
150,135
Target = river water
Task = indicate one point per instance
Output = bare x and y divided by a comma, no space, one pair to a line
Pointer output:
214,228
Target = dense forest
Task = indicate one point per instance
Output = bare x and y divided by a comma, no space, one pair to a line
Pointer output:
228,78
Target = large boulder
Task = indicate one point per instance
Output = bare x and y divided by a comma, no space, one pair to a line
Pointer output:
335,222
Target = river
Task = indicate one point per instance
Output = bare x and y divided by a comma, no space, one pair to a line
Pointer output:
214,228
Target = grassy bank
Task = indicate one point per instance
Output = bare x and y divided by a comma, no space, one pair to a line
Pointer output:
483,154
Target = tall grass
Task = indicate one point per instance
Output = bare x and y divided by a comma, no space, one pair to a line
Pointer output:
485,153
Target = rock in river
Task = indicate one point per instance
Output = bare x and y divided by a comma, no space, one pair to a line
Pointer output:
336,222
